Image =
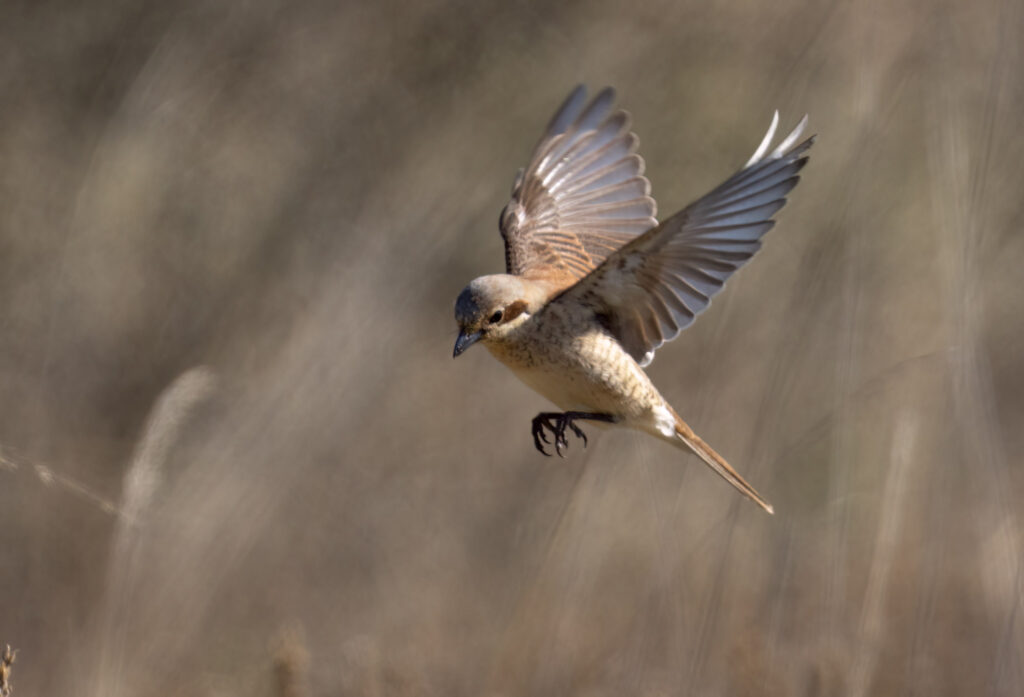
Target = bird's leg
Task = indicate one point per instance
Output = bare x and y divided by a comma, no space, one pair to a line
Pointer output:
557,422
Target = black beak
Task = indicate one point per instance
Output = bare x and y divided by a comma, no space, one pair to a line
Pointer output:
464,342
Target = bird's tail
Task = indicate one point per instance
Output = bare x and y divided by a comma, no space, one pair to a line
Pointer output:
716,462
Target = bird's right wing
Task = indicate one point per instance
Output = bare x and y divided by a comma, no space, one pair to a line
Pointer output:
656,285
582,196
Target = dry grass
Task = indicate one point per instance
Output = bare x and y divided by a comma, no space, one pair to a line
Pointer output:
6,667
293,194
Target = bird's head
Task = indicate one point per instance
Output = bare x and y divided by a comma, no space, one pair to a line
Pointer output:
491,307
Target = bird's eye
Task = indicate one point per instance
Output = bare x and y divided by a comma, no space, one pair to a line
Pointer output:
495,318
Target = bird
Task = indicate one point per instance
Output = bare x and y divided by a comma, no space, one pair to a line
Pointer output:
594,284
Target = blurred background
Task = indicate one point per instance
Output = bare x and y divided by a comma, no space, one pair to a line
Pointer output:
236,456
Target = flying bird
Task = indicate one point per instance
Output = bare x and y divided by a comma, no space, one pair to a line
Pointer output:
594,284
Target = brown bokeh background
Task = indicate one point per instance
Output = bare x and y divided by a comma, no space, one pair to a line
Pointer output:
237,458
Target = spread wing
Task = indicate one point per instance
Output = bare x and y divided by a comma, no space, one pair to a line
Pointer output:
582,196
656,285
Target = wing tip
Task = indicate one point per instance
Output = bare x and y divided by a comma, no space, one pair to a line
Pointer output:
784,148
787,144
568,112
765,142
607,93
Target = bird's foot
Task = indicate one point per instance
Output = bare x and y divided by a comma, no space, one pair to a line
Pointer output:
557,423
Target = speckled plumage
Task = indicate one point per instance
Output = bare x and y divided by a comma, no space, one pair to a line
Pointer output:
566,355
595,285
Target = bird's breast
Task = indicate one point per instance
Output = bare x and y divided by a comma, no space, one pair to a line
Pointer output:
570,359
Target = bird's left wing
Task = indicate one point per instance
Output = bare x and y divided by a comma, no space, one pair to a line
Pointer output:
582,196
656,285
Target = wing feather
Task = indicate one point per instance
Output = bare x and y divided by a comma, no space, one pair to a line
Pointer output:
582,196
655,285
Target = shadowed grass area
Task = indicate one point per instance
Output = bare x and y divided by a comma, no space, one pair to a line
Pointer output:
292,195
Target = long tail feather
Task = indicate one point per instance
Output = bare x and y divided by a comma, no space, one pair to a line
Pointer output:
718,463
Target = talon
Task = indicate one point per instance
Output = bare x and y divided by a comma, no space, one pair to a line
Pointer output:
579,433
560,439
558,423
537,444
538,433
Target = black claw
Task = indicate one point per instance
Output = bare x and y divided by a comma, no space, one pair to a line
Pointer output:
538,433
579,433
540,447
557,423
559,442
